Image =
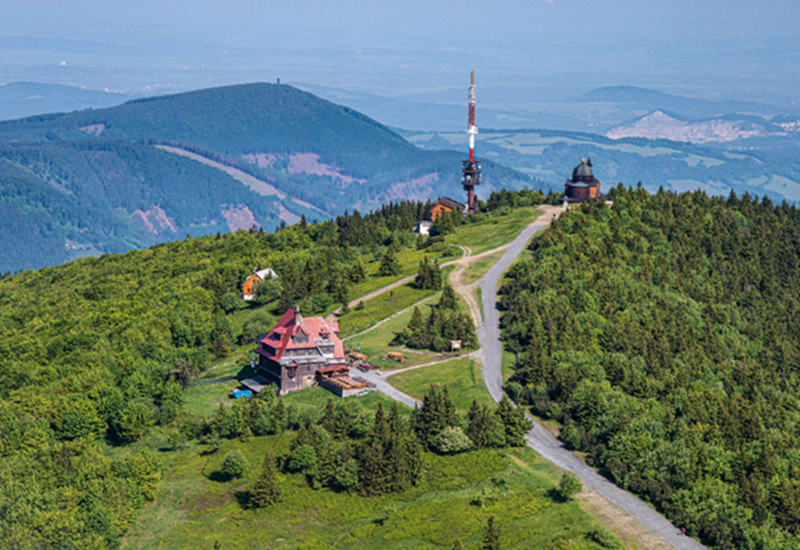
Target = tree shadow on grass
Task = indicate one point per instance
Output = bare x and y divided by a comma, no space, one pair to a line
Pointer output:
219,477
243,498
556,496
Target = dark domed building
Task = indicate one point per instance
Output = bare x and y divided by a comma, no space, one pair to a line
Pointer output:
583,186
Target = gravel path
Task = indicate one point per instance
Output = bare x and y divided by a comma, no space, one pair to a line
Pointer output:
464,260
539,438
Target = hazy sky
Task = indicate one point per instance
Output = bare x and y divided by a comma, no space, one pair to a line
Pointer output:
706,47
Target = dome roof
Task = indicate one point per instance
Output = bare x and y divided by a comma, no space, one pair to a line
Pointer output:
584,169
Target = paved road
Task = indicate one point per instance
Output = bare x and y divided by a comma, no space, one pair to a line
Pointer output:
384,387
539,438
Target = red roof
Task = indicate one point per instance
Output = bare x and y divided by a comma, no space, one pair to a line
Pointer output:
291,324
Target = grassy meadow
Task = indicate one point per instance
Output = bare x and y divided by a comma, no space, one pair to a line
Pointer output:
495,231
453,500
463,378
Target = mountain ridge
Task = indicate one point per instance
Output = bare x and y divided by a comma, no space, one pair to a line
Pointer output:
321,158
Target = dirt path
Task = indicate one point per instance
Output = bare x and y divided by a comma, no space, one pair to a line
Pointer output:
467,259
389,318
466,291
387,374
631,532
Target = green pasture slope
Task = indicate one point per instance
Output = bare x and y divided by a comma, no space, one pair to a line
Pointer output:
454,500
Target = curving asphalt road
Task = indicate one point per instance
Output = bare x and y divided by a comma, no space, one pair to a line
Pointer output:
539,438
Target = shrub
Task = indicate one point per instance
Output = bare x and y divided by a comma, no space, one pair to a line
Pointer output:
234,465
451,440
347,475
302,459
568,487
571,437
603,537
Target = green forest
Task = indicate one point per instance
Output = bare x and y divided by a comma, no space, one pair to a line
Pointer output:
70,199
663,334
71,184
96,354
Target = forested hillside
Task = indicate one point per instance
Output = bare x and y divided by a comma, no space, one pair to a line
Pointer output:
663,333
93,181
95,352
64,200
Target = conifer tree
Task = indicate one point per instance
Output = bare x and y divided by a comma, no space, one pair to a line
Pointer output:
437,413
279,412
373,474
397,453
389,265
492,539
514,422
253,413
304,436
343,422
328,420
357,273
480,420
417,323
448,299
266,490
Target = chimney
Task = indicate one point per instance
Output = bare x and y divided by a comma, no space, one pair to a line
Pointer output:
298,319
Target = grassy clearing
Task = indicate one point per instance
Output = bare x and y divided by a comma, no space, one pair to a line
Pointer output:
408,259
479,268
382,306
461,376
494,232
454,500
508,364
376,342
310,403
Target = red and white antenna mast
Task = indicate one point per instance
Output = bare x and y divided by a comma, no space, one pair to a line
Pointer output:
471,168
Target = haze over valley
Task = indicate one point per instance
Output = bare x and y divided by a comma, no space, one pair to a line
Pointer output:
365,275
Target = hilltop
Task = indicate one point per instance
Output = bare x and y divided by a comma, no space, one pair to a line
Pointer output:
106,430
155,169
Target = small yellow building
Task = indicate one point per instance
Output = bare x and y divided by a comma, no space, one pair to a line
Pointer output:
443,206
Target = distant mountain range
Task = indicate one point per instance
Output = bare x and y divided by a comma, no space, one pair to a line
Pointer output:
149,170
506,107
631,98
22,99
726,128
550,156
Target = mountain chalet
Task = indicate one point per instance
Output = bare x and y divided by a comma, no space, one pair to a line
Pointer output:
301,351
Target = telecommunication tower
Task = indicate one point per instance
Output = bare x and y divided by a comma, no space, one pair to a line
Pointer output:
471,169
